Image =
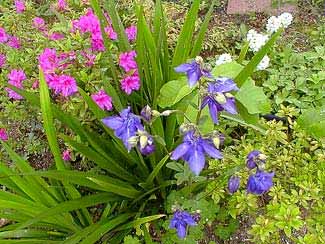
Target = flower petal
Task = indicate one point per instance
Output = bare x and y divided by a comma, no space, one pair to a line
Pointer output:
180,151
213,109
183,68
230,106
113,122
181,231
212,151
193,76
196,161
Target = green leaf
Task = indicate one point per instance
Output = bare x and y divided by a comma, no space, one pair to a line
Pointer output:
253,98
313,121
173,91
230,70
48,122
175,166
140,221
156,170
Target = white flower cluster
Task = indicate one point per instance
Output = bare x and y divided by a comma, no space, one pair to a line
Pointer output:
264,64
223,59
256,40
274,23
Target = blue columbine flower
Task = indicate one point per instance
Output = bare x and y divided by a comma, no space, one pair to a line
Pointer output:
219,99
260,182
233,184
194,71
125,126
146,143
180,221
253,158
193,150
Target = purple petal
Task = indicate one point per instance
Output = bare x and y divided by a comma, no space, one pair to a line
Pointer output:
183,68
213,109
196,161
193,76
180,151
225,85
230,106
212,151
181,231
113,122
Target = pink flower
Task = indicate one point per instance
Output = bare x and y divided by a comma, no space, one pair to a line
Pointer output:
48,60
66,85
131,83
131,33
55,36
16,78
103,100
35,84
66,155
97,43
61,5
90,58
127,62
3,35
14,42
2,59
39,23
3,134
20,6
110,32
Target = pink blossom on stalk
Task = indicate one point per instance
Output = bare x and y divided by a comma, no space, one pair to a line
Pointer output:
3,134
103,100
61,5
97,43
131,32
15,78
66,155
48,60
131,83
66,85
90,58
14,42
110,32
127,62
39,23
20,6
55,36
3,35
2,59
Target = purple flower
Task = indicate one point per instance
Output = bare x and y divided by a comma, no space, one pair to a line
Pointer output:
193,150
146,113
194,71
131,33
20,6
180,221
3,134
125,126
219,99
260,182
103,100
253,158
3,60
13,42
233,184
66,155
39,23
146,144
3,35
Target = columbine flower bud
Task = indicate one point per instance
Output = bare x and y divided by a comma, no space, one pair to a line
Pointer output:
146,113
233,184
143,141
220,98
167,112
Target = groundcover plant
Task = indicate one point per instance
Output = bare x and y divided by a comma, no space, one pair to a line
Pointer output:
149,119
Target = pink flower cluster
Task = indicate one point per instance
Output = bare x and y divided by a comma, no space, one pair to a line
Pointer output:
52,65
40,24
3,134
66,155
61,5
3,60
132,81
131,33
11,41
89,58
103,100
89,23
20,6
16,77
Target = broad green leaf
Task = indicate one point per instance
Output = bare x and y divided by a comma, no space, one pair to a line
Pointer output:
140,221
173,91
230,70
253,98
156,170
313,121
